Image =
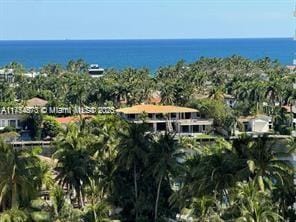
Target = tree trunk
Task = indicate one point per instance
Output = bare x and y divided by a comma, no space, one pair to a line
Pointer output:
95,213
14,202
157,199
261,182
81,198
14,198
291,115
136,190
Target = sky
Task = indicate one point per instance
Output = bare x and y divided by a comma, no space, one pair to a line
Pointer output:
145,19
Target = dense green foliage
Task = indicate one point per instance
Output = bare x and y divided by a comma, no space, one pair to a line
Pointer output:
130,175
261,86
252,82
105,169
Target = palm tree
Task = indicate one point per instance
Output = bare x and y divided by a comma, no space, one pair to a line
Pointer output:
75,163
165,158
19,176
205,209
254,205
211,171
216,93
265,163
132,152
106,128
96,210
167,94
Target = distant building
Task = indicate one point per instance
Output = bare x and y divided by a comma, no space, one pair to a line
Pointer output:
229,100
255,124
11,120
15,120
181,120
32,74
95,71
7,75
36,102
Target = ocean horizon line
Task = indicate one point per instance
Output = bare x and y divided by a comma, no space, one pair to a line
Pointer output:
144,39
151,53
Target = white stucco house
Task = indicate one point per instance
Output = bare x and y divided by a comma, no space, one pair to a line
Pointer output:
255,124
181,120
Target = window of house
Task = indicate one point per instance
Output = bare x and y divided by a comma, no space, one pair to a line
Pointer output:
161,126
246,126
159,116
185,129
150,116
12,122
173,115
2,123
19,123
187,115
203,128
131,116
174,126
150,125
195,129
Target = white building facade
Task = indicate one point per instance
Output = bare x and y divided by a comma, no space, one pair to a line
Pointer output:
180,120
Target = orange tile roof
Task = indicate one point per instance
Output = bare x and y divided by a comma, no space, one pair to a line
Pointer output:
155,109
70,119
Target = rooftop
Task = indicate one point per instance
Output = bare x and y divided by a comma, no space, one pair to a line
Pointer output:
71,119
36,102
259,116
151,109
6,71
68,119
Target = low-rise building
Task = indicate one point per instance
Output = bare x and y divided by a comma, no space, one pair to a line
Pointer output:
6,75
11,120
255,124
181,120
229,100
31,74
15,119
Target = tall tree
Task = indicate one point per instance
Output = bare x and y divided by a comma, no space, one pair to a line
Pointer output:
133,153
165,160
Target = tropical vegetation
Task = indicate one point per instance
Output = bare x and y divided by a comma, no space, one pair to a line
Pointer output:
106,169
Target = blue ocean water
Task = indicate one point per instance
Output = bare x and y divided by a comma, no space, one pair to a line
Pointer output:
141,53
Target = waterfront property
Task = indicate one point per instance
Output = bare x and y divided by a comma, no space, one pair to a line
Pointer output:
181,120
